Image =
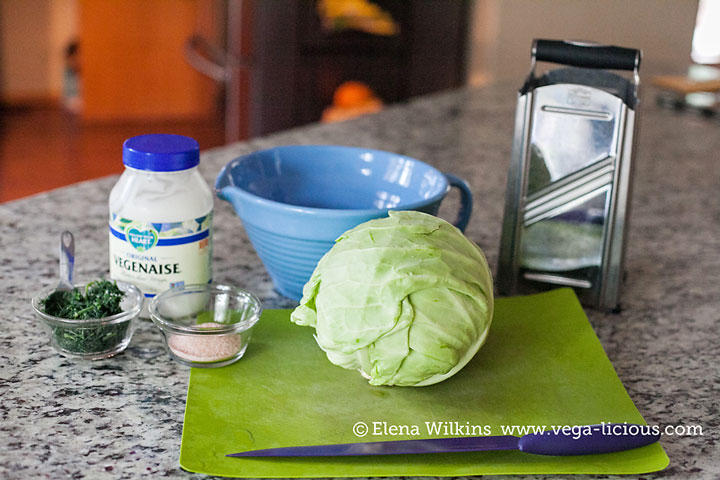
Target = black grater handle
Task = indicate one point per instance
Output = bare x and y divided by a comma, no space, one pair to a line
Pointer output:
586,55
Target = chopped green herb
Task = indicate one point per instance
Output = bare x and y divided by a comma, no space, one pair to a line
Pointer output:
90,339
100,299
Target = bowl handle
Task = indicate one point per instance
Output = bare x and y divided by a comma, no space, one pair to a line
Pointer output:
466,200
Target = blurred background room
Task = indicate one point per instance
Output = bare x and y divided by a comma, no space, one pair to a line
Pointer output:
77,77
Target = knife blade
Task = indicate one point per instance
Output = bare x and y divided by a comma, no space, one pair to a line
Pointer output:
601,438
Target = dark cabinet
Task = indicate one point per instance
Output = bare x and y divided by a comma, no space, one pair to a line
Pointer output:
294,63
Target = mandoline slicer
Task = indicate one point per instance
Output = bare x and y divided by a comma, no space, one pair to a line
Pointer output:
568,188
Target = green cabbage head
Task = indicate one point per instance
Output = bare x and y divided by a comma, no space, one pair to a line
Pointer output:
406,300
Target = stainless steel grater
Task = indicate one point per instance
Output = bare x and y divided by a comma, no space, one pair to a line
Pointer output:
568,190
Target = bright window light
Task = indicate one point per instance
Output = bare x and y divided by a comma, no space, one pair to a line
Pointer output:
706,39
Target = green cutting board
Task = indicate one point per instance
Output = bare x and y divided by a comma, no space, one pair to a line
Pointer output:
541,365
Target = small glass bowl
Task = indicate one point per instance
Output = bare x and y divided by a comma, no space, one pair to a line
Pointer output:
205,325
93,338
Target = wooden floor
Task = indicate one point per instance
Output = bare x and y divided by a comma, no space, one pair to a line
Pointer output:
43,148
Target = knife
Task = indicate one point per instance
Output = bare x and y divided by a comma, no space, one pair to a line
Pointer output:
603,438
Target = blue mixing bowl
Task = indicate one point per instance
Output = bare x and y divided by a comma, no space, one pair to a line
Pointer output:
295,201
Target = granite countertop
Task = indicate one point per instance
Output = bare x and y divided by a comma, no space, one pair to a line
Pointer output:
122,417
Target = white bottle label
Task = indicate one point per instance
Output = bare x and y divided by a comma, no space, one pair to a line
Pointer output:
158,256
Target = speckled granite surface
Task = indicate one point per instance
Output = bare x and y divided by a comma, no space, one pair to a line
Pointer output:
122,417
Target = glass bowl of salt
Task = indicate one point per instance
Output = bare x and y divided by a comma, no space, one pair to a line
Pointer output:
205,325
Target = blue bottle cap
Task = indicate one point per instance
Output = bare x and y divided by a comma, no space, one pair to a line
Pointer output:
161,152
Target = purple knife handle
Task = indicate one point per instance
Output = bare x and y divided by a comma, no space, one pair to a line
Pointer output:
589,439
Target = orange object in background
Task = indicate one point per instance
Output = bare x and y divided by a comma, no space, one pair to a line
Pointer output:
361,15
351,99
352,94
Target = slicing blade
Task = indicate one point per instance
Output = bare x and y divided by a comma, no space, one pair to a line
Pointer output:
393,447
584,440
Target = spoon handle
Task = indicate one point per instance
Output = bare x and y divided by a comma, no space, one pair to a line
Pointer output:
67,259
